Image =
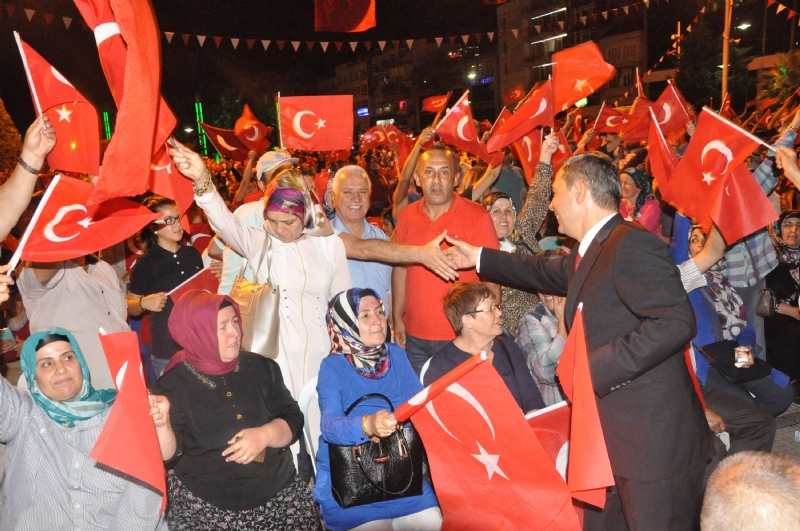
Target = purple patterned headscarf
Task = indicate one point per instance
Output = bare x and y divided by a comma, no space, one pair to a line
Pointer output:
287,201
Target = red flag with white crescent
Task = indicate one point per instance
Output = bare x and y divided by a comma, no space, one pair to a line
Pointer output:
435,103
513,95
528,149
611,120
251,132
535,112
65,227
225,142
641,110
72,116
128,441
725,110
662,160
670,111
167,181
203,280
458,128
482,450
562,154
374,136
577,73
317,123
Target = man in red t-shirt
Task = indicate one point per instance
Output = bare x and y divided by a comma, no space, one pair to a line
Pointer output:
420,325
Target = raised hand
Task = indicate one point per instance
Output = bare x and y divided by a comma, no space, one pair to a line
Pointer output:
549,147
39,141
5,281
189,163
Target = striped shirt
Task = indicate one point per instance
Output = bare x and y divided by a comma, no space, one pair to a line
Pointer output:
52,484
538,336
740,271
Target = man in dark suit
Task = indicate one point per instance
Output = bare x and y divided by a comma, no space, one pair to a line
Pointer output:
638,320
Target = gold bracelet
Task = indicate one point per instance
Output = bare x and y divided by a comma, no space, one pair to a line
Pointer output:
364,426
205,188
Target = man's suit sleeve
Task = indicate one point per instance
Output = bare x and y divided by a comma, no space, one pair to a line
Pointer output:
649,285
538,273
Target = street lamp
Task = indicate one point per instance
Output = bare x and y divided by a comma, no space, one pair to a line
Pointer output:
743,26
188,129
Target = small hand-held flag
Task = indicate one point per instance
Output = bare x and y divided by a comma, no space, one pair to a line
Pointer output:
577,73
203,280
662,160
225,142
458,128
435,103
513,95
251,132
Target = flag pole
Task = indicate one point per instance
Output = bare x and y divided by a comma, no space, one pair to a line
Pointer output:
18,253
28,74
278,118
439,114
466,92
753,137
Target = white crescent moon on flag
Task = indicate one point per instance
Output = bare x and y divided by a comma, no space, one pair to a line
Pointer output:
296,123
526,141
225,144
562,459
255,133
435,415
63,211
121,375
379,136
458,390
460,129
58,76
667,114
722,148
439,102
542,107
608,121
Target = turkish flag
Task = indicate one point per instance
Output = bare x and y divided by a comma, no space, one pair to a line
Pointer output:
64,227
717,147
504,115
513,95
562,154
435,103
250,132
768,102
128,442
611,120
741,208
528,149
577,73
167,181
344,15
401,144
641,110
589,471
662,160
725,110
317,123
458,128
72,116
551,426
374,136
205,280
765,119
128,42
577,126
481,450
670,111
225,142
535,112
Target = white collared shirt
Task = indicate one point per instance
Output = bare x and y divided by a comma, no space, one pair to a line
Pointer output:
591,233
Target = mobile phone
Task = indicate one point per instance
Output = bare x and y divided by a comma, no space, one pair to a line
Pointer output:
6,334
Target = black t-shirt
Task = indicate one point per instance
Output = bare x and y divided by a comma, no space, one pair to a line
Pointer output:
162,271
205,418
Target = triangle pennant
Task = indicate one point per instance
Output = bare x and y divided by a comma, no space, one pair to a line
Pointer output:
625,8
502,34
67,21
689,28
437,39
605,14
561,24
781,7
703,11
217,41
423,42
409,43
10,9
478,36
281,45
169,35
583,20
491,35
790,16
353,45
310,45
515,32
696,20
381,44
538,29
452,39
264,43
235,42
338,45
324,46
48,18
396,44
647,5
201,39
250,43
770,2
185,37
30,12
368,45
295,45
465,38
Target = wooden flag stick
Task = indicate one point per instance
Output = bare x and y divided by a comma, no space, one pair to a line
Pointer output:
439,114
28,74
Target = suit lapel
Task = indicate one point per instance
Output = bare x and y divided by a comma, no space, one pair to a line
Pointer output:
578,277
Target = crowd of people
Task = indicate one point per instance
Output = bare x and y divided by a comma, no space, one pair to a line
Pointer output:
387,278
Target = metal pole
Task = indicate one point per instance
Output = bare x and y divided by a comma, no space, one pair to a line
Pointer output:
764,31
726,42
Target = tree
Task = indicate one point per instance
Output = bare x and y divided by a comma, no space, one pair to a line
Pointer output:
781,81
10,140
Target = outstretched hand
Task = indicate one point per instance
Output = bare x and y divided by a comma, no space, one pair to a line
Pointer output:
433,258
549,147
189,163
462,254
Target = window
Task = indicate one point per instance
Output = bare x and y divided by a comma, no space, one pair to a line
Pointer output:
364,90
628,77
505,46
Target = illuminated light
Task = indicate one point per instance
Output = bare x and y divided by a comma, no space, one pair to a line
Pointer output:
743,26
73,145
550,13
188,129
471,75
581,103
363,111
542,66
550,38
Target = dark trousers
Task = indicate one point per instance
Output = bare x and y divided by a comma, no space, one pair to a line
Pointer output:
670,504
763,393
421,350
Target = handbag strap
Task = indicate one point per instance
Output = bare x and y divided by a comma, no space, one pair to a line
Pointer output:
368,397
266,250
753,261
398,433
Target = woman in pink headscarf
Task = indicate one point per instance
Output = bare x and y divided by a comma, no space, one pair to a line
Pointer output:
224,421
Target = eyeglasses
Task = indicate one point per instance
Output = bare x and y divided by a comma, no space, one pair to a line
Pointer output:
493,308
170,220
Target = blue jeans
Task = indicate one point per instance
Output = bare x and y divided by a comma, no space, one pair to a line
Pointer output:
421,350
159,365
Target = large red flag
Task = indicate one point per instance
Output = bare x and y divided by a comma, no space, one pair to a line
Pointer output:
435,103
513,95
563,153
528,149
167,181
128,441
589,471
374,136
611,120
551,426
742,208
536,111
344,15
72,116
225,142
670,111
134,76
458,128
251,132
662,160
317,123
504,115
482,450
64,226
716,149
577,73
641,110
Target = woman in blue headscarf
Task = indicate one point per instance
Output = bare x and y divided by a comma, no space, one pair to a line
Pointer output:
51,482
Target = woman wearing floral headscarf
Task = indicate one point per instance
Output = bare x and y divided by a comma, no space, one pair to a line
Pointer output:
637,200
51,482
224,421
782,332
363,362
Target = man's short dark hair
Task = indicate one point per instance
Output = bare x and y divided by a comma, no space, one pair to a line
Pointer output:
599,174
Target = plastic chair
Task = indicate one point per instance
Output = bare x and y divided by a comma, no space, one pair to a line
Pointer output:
307,400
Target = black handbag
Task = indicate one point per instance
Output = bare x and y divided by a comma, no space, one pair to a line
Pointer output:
722,356
373,472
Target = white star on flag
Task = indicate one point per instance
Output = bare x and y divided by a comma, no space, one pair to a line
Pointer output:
707,178
489,461
580,84
63,113
320,123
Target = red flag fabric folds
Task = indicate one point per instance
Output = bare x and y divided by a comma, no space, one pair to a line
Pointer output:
167,181
725,110
317,123
535,112
528,149
589,471
72,116
204,280
641,110
481,450
251,132
662,160
458,128
611,120
742,208
344,15
128,441
374,136
225,142
435,103
513,95
577,73
671,112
